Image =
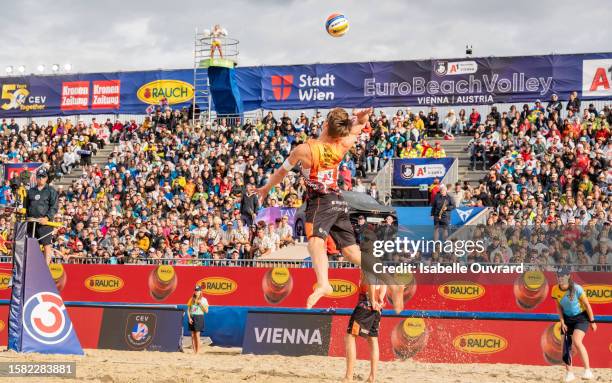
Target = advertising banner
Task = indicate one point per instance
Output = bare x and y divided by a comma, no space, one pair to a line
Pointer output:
286,334
271,214
121,328
90,93
473,341
419,217
290,287
418,171
481,80
136,329
14,170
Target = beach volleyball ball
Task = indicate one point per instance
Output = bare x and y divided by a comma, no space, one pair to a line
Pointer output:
337,25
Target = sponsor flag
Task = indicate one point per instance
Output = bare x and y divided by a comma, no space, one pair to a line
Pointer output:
39,320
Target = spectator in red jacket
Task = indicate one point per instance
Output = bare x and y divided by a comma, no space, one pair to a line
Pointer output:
346,176
474,118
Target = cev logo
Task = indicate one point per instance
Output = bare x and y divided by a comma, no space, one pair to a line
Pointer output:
175,91
18,96
461,290
217,285
45,318
480,343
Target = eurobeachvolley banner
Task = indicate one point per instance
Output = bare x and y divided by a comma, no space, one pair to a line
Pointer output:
290,287
461,81
419,171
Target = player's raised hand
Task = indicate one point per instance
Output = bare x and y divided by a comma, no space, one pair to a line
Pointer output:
362,115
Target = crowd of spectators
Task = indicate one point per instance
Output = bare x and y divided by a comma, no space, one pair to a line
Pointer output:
174,189
548,171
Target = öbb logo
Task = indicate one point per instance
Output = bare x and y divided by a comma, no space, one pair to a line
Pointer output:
217,285
341,288
480,343
175,91
104,283
598,294
45,318
461,290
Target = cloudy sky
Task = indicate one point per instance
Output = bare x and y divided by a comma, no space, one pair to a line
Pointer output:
135,34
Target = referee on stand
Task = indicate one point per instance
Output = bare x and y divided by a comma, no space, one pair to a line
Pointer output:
41,205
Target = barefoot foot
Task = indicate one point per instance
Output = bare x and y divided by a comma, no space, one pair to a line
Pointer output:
317,294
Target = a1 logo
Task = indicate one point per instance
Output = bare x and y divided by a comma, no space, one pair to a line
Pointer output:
326,177
597,78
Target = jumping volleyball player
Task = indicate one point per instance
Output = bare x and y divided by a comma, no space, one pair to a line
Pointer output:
575,315
326,210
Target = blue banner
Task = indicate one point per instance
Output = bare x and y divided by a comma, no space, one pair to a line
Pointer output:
287,333
417,222
419,171
483,80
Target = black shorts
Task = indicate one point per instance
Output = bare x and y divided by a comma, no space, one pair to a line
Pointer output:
41,231
327,214
364,322
441,223
580,322
198,323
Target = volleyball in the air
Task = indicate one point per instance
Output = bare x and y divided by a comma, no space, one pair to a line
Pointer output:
337,25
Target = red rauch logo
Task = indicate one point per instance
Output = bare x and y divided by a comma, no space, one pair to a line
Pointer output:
281,86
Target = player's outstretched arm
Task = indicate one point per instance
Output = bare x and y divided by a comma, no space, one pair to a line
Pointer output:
300,153
360,119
